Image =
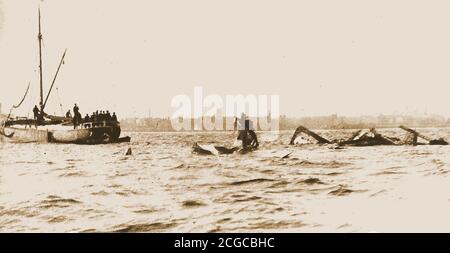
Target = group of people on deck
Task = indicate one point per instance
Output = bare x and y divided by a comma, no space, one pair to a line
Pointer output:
96,119
101,116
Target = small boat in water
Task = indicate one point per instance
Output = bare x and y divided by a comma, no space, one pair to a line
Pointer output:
47,128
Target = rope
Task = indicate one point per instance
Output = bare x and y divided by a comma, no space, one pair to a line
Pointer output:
30,107
17,106
21,101
59,100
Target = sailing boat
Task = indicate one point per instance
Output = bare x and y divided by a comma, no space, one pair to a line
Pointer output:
45,128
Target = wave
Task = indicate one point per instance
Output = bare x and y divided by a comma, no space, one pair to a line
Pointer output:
251,181
18,212
57,219
142,228
295,162
193,203
264,225
311,181
341,191
58,202
252,198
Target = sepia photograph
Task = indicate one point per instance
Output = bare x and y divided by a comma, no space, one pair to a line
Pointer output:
218,117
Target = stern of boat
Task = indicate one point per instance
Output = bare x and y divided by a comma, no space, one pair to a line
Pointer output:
101,133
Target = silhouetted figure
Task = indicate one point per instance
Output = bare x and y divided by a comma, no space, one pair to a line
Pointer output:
36,113
92,118
114,117
97,118
76,116
100,116
108,116
76,109
68,114
87,118
248,137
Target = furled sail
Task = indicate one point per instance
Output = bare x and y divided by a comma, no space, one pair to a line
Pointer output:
57,118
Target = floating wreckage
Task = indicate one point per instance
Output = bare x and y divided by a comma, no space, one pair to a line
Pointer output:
212,150
370,138
302,129
415,135
247,136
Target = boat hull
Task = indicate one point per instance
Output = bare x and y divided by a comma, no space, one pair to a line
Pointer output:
69,136
95,135
19,135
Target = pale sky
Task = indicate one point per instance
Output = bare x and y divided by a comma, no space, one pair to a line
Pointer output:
349,57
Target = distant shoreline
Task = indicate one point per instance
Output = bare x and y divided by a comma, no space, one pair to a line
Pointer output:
332,122
264,131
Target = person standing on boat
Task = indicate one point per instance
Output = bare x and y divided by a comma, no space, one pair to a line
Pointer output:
76,110
36,112
76,116
108,116
94,119
87,120
114,117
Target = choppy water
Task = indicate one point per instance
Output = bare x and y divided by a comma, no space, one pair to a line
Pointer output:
163,187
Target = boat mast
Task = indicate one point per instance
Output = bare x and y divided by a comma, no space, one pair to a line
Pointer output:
41,103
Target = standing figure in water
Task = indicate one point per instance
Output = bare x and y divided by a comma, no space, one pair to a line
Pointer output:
247,134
